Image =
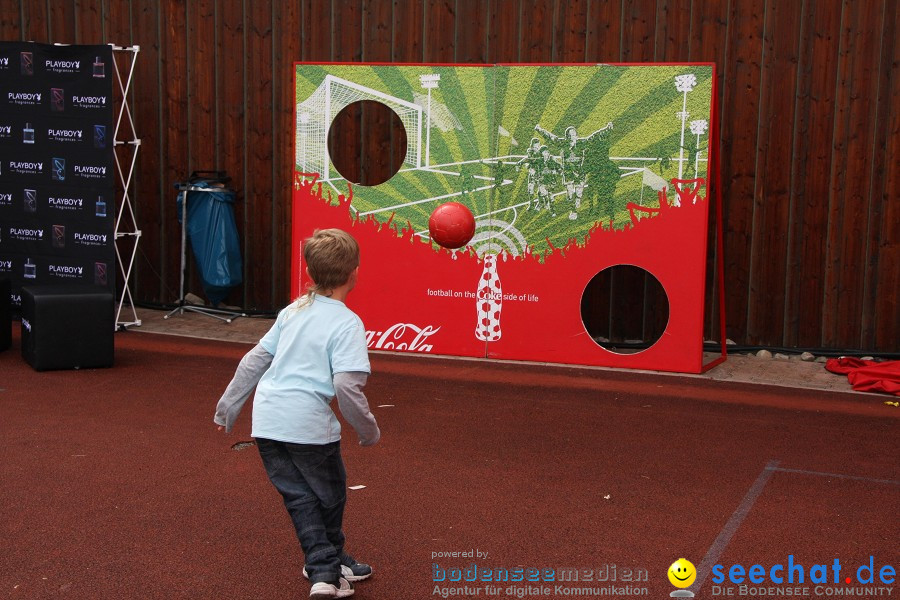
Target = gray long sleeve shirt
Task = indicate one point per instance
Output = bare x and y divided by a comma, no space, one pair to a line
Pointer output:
347,386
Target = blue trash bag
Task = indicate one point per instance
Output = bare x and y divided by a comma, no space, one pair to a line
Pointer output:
214,238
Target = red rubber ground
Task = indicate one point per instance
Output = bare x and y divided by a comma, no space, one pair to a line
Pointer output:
116,484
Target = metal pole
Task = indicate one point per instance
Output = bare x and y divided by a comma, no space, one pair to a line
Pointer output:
428,132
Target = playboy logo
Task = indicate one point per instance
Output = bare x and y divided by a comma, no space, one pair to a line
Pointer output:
92,238
90,100
26,234
65,271
65,134
90,171
20,166
63,65
24,96
65,202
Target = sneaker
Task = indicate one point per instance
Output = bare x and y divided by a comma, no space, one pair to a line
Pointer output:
323,590
353,572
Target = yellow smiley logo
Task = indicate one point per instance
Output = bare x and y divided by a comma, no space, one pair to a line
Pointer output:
682,573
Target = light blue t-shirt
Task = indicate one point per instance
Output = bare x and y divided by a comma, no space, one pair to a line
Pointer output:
309,346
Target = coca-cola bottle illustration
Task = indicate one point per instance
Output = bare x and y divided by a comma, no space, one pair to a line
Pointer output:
489,301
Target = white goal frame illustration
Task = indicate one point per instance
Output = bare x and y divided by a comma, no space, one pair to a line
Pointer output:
315,114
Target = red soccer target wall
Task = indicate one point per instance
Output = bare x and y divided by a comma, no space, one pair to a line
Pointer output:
567,169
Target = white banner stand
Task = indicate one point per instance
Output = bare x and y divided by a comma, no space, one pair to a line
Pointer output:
127,233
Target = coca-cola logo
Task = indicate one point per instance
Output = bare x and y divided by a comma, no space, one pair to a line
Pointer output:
402,336
486,294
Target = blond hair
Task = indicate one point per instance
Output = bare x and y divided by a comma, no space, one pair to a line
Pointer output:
330,255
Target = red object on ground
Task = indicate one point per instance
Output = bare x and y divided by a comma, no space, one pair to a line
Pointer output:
868,375
451,225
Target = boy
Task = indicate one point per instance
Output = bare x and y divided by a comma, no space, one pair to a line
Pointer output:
315,351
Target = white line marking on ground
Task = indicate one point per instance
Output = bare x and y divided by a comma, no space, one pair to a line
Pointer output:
838,475
731,527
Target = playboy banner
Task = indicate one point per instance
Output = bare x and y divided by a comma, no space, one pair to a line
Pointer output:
57,174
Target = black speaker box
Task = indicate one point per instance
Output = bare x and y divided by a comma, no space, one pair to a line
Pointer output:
67,327
5,314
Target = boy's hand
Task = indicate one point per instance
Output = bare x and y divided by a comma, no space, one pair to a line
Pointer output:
371,441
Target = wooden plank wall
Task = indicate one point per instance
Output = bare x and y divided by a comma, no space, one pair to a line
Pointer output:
810,126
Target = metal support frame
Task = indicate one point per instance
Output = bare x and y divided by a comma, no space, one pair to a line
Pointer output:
216,313
127,230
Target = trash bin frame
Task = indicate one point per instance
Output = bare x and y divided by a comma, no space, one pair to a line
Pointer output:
223,315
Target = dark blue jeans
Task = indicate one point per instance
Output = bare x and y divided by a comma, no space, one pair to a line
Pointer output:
312,480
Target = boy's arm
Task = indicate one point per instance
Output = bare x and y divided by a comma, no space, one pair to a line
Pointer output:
248,373
354,406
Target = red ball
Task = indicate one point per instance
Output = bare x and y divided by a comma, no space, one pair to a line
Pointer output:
451,225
